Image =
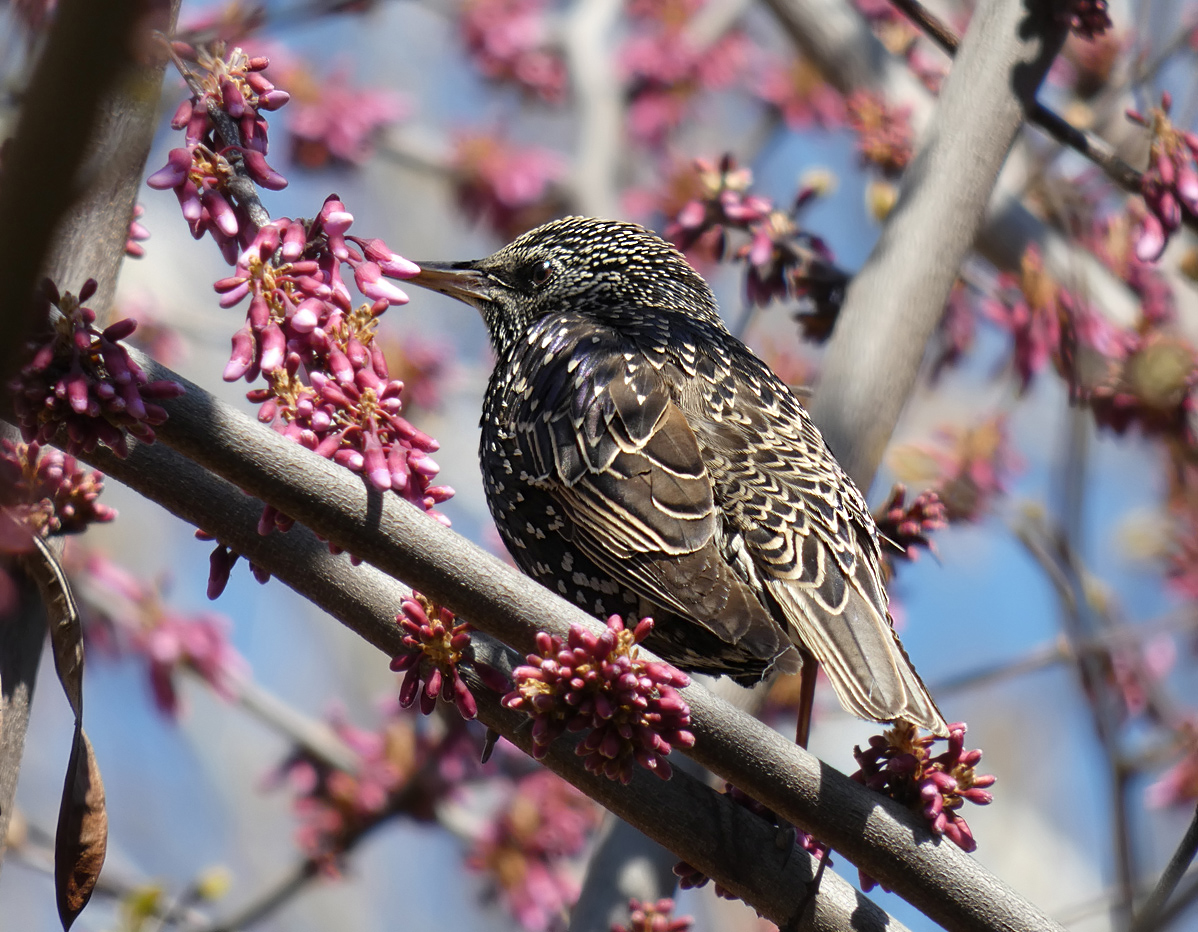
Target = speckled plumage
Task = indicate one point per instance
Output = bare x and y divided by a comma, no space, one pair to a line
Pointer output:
638,458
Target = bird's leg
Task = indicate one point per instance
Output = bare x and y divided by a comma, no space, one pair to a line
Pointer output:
806,699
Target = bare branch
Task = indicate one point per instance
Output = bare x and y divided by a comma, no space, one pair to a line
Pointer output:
1149,917
898,297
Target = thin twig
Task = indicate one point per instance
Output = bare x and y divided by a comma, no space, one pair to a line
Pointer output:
1092,147
1148,918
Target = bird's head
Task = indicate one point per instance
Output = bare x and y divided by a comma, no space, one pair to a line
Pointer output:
605,268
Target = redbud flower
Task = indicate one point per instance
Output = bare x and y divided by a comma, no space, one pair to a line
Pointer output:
653,917
907,526
199,172
665,72
1178,786
436,646
524,849
1170,184
397,769
973,468
167,638
49,490
899,764
334,121
884,135
137,234
82,378
801,94
630,707
510,187
509,41
1089,18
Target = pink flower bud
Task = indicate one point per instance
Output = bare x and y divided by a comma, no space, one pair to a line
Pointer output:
178,165
255,163
232,99
242,355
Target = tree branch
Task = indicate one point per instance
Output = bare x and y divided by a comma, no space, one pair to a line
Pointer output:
699,825
882,838
898,297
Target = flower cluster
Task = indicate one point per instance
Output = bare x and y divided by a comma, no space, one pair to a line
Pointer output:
82,378
524,849
653,917
1170,185
1178,786
690,877
665,71
301,316
884,135
436,646
969,467
782,260
395,770
509,187
956,330
49,490
334,122
1089,18
798,91
508,40
232,89
903,40
599,682
1112,240
1031,312
907,527
899,764
168,638
137,234
1150,386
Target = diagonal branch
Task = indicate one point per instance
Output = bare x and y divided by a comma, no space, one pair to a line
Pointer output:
882,838
698,824
898,297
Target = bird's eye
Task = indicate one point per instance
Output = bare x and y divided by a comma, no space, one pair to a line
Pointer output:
540,273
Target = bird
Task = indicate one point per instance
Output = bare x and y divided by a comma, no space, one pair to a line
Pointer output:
639,458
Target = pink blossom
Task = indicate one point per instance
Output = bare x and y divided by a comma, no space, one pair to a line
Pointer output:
630,708
885,138
50,491
899,764
508,186
82,378
523,850
332,120
508,40
1170,185
802,96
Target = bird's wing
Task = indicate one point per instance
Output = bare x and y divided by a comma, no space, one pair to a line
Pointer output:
809,534
600,433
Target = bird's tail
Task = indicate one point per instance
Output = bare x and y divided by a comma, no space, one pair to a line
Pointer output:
861,654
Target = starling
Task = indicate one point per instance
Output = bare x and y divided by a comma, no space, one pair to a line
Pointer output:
638,458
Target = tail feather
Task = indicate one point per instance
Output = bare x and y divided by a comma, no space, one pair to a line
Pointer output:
862,656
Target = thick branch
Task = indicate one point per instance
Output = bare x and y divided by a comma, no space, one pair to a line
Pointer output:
67,190
698,824
887,841
22,634
46,163
898,297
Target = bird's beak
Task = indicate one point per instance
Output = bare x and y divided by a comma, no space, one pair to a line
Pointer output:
459,280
